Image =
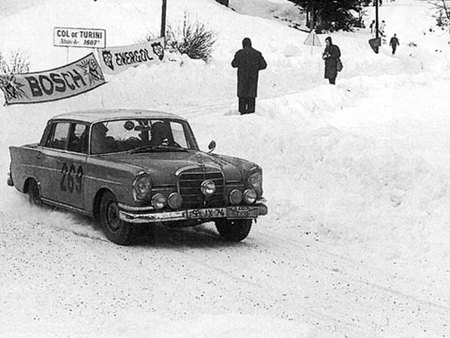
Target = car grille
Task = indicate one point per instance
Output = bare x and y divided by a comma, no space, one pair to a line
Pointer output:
189,183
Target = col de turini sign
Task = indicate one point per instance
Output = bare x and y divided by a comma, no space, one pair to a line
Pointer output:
55,84
79,37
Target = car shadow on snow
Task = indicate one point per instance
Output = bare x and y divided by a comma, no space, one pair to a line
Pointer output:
200,236
152,235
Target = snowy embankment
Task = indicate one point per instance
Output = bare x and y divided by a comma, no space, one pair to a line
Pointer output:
355,176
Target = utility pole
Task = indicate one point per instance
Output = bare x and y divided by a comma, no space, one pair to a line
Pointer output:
376,24
163,20
375,42
376,19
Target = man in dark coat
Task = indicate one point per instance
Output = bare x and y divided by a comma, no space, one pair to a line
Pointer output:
249,62
331,56
394,43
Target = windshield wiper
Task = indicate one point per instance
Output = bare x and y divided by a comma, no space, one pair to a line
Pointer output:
153,148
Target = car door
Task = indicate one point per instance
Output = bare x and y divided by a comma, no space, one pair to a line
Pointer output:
64,164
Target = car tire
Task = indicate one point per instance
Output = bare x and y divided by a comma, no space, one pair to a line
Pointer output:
116,230
234,230
34,195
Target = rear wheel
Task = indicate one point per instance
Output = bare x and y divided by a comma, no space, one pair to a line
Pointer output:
34,195
115,229
234,230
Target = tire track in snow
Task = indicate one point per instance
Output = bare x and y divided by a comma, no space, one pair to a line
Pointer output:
369,302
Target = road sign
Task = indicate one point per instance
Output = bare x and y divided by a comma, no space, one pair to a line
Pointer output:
312,39
79,37
375,43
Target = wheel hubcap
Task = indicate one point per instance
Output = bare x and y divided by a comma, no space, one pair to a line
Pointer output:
113,217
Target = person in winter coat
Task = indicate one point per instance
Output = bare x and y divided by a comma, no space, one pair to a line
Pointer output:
331,56
394,43
372,27
382,28
248,62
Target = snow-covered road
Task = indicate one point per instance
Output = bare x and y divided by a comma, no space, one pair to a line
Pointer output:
59,268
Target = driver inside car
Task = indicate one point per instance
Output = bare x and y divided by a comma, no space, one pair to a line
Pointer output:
160,134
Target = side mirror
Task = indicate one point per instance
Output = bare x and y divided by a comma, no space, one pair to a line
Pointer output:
212,146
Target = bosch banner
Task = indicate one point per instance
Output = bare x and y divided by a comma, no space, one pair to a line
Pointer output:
113,60
56,84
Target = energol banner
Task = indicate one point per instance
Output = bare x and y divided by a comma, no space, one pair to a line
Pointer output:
113,60
56,84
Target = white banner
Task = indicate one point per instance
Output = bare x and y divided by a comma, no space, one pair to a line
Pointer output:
114,60
55,84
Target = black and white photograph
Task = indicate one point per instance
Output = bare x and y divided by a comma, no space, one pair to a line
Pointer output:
225,168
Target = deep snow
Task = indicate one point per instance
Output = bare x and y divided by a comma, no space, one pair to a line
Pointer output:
356,177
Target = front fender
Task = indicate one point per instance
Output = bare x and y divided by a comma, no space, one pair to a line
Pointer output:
116,177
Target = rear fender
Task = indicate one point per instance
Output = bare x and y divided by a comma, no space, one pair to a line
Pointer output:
23,162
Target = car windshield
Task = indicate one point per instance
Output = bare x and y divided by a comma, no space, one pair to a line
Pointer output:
141,135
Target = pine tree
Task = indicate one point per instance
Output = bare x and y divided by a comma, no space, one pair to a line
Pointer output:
330,15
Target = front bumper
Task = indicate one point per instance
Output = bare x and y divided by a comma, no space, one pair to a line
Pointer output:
142,215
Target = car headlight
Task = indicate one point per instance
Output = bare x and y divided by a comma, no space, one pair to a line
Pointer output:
175,200
255,182
208,188
235,197
250,196
159,201
142,187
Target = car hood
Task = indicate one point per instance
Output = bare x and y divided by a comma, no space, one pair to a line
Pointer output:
163,165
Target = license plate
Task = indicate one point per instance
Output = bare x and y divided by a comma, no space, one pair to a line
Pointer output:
206,213
242,212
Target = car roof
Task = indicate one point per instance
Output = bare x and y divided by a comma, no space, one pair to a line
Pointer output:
97,115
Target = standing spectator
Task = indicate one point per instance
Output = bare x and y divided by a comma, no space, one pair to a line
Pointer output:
394,43
372,27
249,62
331,56
382,27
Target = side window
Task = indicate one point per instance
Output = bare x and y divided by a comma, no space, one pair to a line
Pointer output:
78,138
178,134
58,135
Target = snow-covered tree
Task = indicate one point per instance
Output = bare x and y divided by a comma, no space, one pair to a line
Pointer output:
442,12
15,63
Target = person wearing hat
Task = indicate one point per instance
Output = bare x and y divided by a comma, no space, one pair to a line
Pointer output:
331,56
248,62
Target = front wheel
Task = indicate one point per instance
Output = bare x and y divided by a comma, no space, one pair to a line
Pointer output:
115,229
234,230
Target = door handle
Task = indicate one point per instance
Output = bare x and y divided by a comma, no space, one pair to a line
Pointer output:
39,156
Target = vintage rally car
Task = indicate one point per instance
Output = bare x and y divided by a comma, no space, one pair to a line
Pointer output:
131,168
